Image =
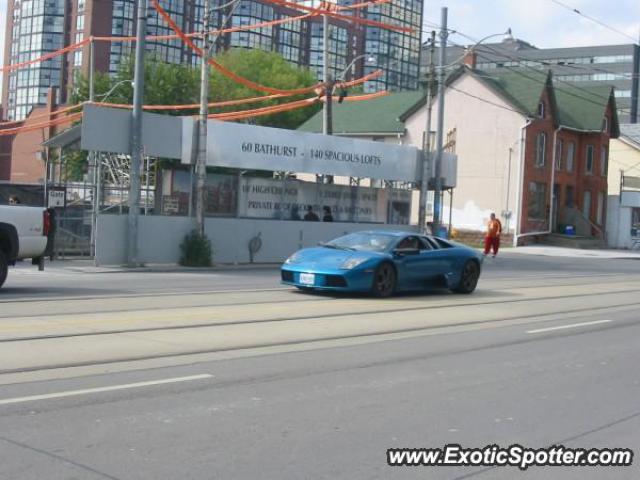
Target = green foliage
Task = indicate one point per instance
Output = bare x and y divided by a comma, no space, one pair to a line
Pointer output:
75,165
165,84
265,68
195,250
171,84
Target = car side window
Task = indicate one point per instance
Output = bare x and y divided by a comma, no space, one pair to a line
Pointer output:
424,244
409,243
433,244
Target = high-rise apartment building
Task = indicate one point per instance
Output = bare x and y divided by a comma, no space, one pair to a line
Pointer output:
610,65
37,27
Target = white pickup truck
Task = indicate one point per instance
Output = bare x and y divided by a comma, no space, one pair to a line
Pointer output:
24,233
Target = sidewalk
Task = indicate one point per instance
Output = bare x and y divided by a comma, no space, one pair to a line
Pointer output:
87,266
550,251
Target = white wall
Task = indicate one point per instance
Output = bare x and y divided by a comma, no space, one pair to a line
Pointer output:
160,238
485,133
619,218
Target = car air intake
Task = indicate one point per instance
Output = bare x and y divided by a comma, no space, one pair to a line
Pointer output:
335,281
287,276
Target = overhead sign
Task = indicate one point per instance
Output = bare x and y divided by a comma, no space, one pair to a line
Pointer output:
106,129
250,147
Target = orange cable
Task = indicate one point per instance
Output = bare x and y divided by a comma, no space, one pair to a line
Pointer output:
38,126
40,115
47,56
226,72
346,18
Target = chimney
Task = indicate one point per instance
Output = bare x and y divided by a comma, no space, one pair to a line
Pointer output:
470,58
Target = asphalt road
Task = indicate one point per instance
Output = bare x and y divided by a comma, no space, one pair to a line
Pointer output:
228,375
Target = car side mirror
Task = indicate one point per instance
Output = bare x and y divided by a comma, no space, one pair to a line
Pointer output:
403,252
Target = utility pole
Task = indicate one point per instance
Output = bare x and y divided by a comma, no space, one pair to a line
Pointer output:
137,149
426,150
444,34
327,110
94,159
329,83
201,158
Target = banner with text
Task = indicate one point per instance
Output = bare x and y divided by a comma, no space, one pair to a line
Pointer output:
251,147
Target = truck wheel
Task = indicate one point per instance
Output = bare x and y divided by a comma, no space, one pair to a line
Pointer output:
4,267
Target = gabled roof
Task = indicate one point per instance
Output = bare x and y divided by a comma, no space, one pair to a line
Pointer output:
378,116
631,133
575,107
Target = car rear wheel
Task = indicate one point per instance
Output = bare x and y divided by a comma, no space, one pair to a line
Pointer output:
468,278
4,267
384,280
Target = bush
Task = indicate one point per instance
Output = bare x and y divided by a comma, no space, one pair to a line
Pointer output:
195,250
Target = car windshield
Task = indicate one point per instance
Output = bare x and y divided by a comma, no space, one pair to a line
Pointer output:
368,242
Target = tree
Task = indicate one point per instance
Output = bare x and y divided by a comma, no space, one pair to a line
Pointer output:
176,84
265,68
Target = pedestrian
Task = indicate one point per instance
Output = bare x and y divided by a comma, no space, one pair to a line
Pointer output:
327,217
14,200
311,216
492,239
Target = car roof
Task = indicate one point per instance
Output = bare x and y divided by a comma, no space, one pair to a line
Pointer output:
391,233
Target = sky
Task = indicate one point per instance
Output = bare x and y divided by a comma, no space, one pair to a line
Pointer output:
542,23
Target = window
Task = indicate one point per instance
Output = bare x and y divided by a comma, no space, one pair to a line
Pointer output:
600,212
604,161
571,152
541,110
586,204
541,147
559,152
605,125
537,200
589,163
570,196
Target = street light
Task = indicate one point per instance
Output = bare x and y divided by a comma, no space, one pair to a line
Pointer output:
104,96
341,76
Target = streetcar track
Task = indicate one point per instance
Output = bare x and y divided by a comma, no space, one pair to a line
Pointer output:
259,290
321,317
318,296
320,340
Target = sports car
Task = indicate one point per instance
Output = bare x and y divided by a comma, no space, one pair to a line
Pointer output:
383,263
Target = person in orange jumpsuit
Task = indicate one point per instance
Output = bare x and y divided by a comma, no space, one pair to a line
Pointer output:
492,239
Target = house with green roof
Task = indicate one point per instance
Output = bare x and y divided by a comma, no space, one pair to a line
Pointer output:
530,148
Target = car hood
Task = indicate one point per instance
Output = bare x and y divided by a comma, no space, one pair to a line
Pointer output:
322,257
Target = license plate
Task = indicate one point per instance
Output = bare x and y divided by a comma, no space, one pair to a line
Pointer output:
307,278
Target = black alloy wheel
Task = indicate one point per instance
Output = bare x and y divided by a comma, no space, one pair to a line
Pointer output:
468,278
384,280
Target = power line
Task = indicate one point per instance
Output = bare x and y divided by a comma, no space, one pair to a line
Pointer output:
537,71
485,100
595,20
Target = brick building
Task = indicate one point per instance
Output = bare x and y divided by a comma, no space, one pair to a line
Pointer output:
22,156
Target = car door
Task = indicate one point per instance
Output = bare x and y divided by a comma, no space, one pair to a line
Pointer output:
443,260
419,269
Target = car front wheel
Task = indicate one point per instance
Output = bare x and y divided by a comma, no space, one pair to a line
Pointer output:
384,280
468,278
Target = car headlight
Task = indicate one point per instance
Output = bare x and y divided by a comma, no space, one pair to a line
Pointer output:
352,263
295,258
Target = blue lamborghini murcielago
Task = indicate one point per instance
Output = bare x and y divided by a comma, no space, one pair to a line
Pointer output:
383,262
